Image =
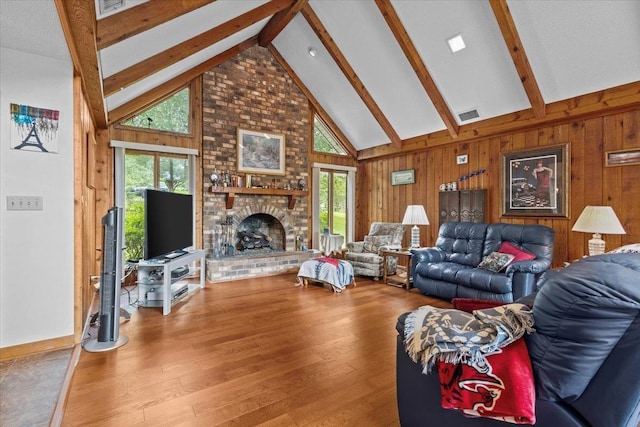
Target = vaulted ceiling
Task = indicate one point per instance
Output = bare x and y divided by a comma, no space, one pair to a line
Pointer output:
381,74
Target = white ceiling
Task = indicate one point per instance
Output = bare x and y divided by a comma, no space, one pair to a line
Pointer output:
574,47
32,26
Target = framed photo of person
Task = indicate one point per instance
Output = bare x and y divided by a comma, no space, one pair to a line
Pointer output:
535,182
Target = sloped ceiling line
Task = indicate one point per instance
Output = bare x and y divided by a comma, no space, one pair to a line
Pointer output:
78,19
316,105
610,101
277,23
350,74
151,97
518,55
120,26
187,48
395,25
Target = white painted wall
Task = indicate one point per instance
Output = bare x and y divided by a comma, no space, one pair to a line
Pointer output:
36,247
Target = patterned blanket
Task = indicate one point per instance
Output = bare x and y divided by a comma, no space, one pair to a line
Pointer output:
455,336
335,272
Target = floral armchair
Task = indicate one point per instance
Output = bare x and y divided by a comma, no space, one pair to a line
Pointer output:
365,256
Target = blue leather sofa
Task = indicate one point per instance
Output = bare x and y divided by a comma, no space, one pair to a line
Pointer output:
585,352
450,269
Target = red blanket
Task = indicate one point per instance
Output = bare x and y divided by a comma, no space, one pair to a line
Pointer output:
333,261
502,390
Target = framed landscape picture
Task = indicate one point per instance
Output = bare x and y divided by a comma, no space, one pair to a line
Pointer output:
260,152
403,177
535,182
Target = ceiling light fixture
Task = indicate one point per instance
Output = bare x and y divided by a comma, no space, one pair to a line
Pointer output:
312,51
456,43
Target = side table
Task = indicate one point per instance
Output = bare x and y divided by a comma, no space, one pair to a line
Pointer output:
402,278
331,243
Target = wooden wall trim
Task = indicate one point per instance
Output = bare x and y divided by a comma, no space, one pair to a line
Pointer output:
35,347
620,99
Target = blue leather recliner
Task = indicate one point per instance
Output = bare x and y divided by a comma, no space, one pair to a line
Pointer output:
585,352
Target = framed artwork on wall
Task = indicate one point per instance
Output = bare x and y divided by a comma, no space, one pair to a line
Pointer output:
623,157
260,152
535,182
403,177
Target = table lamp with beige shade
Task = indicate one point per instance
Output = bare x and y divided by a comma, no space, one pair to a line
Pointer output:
598,220
415,215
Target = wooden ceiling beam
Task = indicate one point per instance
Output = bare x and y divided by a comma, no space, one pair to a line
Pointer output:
78,21
412,55
596,104
350,74
278,22
122,25
518,55
316,105
162,91
185,49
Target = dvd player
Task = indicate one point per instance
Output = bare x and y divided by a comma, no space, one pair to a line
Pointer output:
180,272
177,290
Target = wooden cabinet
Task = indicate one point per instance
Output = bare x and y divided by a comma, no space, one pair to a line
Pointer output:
462,206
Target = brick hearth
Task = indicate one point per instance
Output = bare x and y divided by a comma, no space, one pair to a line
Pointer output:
243,267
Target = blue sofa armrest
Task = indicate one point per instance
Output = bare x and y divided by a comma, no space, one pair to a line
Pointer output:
427,255
536,266
525,276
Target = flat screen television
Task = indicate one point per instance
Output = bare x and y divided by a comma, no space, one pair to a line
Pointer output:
168,223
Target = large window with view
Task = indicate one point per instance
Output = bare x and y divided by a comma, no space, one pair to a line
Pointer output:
324,140
333,194
142,170
171,115
333,202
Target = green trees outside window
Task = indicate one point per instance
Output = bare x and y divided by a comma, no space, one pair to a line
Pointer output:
324,141
171,115
333,202
142,171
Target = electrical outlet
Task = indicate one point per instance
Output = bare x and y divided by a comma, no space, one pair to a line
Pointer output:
24,203
462,159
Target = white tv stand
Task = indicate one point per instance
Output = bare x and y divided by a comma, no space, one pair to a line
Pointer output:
155,276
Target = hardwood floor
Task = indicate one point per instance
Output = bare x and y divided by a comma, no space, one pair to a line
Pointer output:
251,352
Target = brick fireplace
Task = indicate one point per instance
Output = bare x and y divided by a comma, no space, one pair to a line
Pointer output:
252,91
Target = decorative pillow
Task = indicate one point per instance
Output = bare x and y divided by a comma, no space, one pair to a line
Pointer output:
496,261
633,248
373,243
519,254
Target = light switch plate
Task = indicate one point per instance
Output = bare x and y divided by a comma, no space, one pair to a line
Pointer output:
462,159
24,203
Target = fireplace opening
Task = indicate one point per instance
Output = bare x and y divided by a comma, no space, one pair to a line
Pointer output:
259,233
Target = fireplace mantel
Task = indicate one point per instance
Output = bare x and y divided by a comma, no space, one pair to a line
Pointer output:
231,192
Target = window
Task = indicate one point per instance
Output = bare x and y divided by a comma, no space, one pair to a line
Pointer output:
142,170
171,115
333,202
324,140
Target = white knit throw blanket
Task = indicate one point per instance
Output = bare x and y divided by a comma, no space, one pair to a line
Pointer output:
456,336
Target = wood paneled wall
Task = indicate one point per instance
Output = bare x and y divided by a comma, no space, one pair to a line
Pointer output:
591,183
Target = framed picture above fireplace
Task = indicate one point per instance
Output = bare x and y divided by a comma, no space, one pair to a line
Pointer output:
260,152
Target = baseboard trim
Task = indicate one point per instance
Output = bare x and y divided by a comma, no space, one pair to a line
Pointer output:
61,403
27,349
